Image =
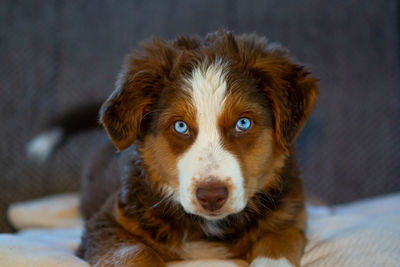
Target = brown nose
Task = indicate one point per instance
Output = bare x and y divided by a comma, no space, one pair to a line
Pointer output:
212,196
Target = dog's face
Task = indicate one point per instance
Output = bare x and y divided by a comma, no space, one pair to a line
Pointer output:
214,118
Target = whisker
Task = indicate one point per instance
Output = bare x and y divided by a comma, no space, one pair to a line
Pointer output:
166,198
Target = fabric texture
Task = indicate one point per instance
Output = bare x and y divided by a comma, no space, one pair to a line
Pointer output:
364,233
56,55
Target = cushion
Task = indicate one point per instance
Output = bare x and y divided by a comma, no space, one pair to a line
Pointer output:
363,233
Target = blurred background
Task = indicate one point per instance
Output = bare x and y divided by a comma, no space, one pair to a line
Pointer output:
59,54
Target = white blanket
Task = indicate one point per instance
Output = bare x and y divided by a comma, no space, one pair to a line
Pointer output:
365,233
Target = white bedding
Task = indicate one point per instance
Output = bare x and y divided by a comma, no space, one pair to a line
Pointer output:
364,233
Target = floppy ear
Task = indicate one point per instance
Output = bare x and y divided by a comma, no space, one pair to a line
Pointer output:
291,92
137,88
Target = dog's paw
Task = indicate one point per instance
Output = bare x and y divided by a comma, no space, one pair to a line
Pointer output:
208,263
265,262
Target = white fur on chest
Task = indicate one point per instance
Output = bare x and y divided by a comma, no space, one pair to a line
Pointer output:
204,250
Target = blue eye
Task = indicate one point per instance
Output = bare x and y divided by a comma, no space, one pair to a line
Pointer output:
243,124
181,127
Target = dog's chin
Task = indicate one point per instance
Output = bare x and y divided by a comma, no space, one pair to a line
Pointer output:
212,216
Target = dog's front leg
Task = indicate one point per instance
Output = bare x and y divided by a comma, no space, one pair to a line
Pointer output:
129,256
111,249
105,242
280,249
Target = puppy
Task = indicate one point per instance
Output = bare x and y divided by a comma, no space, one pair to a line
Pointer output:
206,129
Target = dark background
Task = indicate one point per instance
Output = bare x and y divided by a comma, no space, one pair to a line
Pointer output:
56,55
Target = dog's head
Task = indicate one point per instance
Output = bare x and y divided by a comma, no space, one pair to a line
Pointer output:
214,118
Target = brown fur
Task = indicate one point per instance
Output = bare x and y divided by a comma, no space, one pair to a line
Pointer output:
140,224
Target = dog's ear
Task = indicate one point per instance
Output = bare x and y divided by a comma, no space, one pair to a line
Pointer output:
137,88
291,91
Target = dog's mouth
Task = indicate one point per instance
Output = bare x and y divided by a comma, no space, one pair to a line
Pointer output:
217,214
212,200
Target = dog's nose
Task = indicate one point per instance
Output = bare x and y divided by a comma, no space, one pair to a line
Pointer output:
212,195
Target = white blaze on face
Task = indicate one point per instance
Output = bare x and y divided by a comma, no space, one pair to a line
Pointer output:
206,157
